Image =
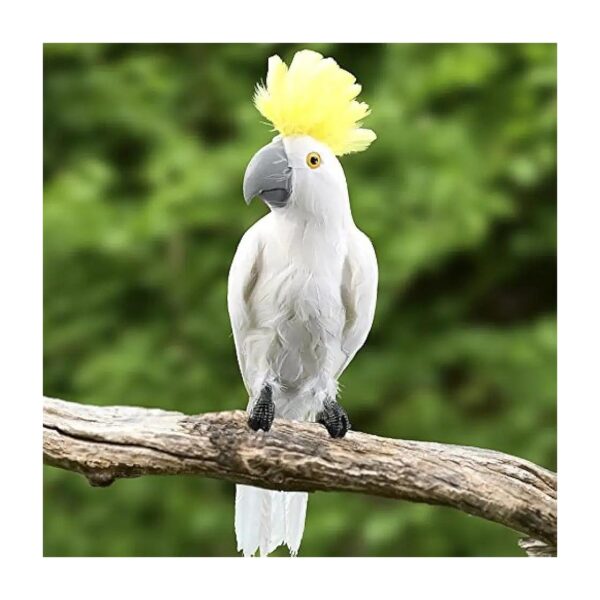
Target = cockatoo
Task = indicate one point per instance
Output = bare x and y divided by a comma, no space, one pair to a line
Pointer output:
303,282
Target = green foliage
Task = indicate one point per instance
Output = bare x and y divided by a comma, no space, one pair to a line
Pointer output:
145,150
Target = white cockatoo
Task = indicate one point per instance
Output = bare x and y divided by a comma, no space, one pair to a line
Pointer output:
303,283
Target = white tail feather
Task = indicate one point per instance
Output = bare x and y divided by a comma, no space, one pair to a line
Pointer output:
295,515
265,519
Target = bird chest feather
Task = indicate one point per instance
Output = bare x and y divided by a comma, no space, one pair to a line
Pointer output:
298,304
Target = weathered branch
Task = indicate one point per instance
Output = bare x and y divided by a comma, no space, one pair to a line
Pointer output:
105,443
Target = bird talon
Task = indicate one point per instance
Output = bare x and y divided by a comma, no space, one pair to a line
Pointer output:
263,411
334,418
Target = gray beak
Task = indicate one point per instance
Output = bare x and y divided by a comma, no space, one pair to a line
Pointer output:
269,176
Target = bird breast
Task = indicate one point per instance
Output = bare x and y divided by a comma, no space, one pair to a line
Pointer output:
297,305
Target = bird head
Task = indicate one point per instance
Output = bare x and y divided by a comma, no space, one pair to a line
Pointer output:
313,108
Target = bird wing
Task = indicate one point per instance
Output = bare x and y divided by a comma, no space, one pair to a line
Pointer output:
243,275
359,296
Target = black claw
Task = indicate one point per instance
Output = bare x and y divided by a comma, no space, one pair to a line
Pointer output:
263,412
334,418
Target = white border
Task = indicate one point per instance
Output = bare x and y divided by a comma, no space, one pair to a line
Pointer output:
27,25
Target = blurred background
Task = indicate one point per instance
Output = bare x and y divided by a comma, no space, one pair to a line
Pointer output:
145,148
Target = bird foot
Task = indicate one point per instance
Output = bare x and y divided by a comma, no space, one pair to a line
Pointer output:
263,411
334,418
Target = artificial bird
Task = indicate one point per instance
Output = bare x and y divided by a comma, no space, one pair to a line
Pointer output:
302,286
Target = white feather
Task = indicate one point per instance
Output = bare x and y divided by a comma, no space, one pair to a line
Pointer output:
266,519
295,516
248,507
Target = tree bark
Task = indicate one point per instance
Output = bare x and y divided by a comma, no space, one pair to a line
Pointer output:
106,443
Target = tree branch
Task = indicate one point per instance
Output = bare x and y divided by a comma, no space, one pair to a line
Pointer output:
105,443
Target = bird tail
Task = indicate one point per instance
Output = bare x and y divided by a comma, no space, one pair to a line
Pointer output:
265,519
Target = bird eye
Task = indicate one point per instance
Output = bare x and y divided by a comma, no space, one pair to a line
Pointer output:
313,159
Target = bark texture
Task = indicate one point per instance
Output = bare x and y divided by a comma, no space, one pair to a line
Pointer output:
106,443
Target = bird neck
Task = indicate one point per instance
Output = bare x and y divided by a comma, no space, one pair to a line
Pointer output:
325,212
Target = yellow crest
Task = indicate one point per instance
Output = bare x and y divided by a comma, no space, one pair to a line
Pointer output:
315,97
